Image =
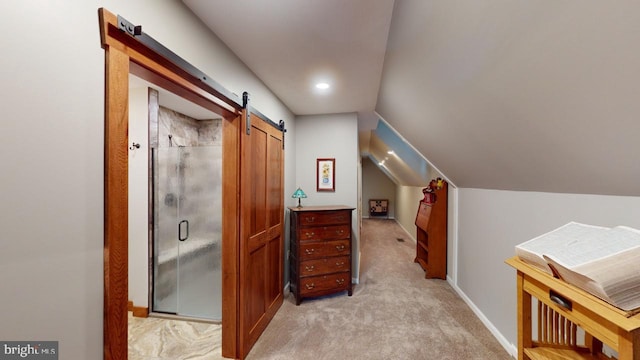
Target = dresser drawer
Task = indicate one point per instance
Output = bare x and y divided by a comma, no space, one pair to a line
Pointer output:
324,232
320,249
324,217
324,266
323,283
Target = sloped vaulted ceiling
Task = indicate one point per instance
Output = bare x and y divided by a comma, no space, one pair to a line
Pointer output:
497,94
293,44
519,95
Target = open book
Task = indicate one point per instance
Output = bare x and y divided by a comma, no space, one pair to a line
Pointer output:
602,261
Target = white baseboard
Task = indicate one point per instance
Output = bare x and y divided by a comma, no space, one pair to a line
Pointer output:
509,347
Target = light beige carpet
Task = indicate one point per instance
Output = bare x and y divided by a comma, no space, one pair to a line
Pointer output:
394,313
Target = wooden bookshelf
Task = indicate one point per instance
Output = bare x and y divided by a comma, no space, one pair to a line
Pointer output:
431,233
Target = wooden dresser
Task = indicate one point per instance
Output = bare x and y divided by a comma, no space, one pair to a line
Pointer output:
559,311
320,251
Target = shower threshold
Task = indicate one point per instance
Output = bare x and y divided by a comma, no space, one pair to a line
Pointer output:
168,316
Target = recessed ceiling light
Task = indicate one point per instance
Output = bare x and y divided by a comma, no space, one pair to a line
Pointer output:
390,152
322,86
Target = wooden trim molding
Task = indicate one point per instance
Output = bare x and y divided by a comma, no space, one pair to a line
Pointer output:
124,55
138,311
231,233
116,205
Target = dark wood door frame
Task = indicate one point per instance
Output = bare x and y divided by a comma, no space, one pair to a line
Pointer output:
124,55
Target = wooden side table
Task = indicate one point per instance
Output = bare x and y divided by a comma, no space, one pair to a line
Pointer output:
378,207
561,309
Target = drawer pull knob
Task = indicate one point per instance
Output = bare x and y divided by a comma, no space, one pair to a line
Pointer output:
339,232
340,264
310,286
339,247
310,268
310,251
561,301
311,219
340,281
309,234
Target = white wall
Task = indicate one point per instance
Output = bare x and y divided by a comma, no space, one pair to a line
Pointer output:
139,197
329,136
52,139
290,187
407,198
376,185
492,223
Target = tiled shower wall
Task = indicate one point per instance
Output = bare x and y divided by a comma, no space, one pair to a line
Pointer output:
186,131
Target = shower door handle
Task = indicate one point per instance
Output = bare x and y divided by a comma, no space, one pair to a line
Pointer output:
180,230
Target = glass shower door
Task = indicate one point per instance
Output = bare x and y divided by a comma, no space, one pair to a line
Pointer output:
200,233
187,277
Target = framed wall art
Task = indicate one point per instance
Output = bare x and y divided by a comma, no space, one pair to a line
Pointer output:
325,175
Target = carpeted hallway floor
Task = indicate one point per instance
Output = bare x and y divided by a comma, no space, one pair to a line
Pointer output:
394,313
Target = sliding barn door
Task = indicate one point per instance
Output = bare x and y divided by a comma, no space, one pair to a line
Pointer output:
261,229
